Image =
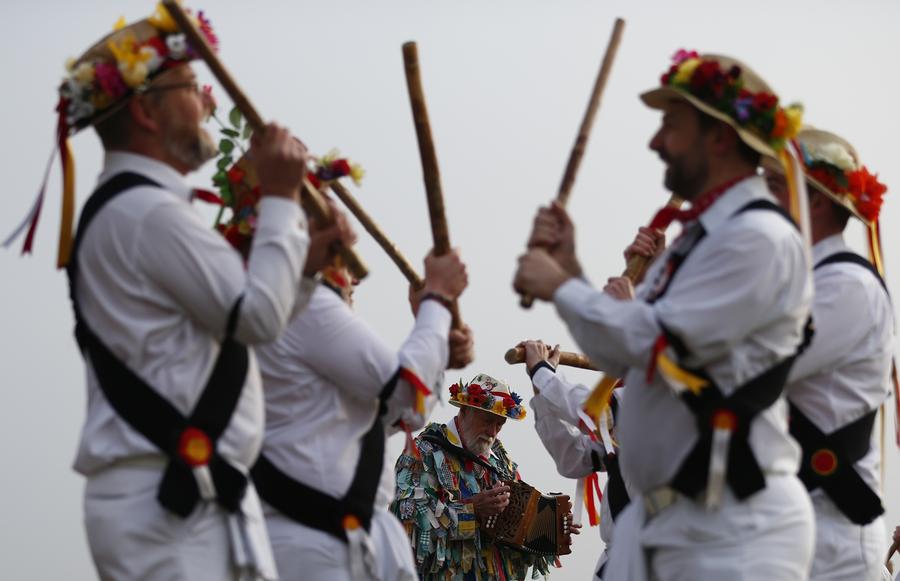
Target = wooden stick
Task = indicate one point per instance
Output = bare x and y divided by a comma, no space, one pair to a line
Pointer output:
635,269
378,234
430,171
567,358
314,203
578,148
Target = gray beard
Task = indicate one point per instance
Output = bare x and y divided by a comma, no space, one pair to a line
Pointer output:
191,150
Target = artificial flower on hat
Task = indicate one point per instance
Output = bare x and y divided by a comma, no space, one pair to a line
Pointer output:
123,63
488,394
832,166
730,91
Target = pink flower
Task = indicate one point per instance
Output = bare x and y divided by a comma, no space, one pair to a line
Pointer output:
110,80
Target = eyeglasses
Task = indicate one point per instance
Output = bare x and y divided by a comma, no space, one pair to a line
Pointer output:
192,85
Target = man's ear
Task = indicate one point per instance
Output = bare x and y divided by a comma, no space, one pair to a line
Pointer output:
142,114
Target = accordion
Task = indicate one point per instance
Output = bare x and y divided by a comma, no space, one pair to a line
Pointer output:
532,522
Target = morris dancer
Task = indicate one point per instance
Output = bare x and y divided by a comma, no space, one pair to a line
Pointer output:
334,393
838,384
164,310
453,483
706,346
556,404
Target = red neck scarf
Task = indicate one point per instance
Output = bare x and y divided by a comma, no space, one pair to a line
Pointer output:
668,214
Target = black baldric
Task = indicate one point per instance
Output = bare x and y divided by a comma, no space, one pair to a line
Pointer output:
150,414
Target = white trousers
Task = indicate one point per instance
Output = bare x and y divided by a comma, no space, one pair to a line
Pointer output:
307,554
846,551
767,537
131,536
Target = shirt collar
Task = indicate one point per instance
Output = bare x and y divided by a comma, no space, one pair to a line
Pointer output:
738,196
828,246
116,162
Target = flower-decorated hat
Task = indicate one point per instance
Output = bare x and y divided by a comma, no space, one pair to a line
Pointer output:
99,83
730,91
832,166
488,394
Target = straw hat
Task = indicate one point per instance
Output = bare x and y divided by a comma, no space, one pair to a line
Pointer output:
488,394
123,63
730,91
832,167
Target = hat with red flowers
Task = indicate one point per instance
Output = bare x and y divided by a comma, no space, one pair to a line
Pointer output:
730,91
488,394
832,167
100,82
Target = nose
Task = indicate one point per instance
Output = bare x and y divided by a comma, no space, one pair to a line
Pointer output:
656,141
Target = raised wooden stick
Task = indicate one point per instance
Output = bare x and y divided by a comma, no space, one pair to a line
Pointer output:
635,269
344,195
567,358
430,171
314,203
577,153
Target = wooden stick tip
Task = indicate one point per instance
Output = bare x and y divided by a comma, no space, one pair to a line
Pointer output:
511,356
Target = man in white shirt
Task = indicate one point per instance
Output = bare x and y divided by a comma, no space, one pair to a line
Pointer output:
843,377
573,444
164,310
705,346
334,393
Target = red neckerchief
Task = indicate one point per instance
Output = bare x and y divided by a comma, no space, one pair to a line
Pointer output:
669,214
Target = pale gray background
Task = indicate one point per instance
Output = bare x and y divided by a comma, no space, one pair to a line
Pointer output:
506,84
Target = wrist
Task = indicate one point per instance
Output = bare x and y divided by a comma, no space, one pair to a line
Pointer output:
537,366
439,297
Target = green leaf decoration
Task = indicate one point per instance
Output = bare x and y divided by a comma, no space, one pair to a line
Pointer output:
224,162
235,118
226,146
248,132
230,132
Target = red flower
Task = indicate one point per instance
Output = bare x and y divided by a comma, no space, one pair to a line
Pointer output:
236,175
867,193
764,101
477,400
195,447
454,389
159,46
314,180
341,167
475,389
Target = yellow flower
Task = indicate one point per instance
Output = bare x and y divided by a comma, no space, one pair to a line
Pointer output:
84,74
244,227
462,398
357,173
120,23
685,70
70,64
135,74
162,20
498,406
794,114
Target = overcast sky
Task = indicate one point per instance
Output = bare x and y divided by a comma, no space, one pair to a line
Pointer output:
506,84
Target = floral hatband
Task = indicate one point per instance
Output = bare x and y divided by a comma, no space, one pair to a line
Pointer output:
482,394
123,63
723,88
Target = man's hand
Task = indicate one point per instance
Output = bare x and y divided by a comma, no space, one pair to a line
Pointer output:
445,275
619,288
462,347
324,240
648,243
554,231
537,351
539,275
491,501
280,161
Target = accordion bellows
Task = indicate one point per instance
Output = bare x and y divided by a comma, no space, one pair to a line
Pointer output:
533,522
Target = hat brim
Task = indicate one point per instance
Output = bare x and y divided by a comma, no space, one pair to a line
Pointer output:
660,97
842,201
460,405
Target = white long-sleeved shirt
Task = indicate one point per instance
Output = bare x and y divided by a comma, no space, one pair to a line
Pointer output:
845,372
156,284
739,303
322,379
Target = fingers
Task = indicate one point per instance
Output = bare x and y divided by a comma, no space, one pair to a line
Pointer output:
446,275
619,288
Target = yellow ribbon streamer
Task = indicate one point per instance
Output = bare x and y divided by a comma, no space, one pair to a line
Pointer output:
67,215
